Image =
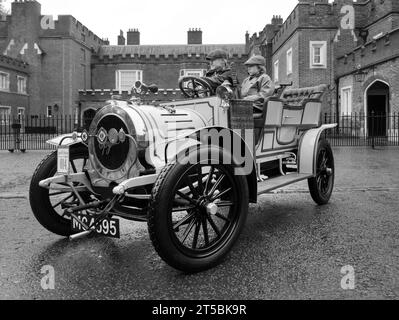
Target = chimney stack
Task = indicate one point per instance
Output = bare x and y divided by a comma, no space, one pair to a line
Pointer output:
133,37
277,20
194,36
121,39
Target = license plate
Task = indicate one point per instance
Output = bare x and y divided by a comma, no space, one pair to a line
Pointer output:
108,227
63,160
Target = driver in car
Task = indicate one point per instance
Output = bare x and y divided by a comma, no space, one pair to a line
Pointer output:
258,86
219,72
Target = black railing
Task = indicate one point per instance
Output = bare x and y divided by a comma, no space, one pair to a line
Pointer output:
32,132
357,129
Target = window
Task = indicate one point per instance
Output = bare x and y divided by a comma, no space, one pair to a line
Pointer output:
4,81
192,73
21,84
276,71
346,101
49,112
318,54
5,113
289,61
125,79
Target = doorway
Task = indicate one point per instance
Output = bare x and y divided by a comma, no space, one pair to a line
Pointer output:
88,117
378,109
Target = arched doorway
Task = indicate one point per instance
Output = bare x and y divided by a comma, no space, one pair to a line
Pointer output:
88,116
377,108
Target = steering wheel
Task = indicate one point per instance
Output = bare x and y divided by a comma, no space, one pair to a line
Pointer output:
193,87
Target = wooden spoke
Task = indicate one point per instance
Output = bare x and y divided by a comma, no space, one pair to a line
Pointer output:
187,208
188,230
183,221
222,217
191,186
223,204
213,225
205,230
221,194
209,180
200,183
186,197
196,233
216,185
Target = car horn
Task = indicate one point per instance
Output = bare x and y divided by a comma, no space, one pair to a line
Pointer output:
141,88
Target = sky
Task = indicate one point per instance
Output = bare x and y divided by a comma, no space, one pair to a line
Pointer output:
167,22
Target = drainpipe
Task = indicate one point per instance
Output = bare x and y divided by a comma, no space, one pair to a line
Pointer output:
337,101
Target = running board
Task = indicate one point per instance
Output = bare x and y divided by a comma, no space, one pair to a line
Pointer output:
280,182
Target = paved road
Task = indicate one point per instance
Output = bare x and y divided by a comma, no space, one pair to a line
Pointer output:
290,248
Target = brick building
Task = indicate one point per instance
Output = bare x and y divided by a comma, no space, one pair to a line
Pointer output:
353,46
58,53
14,99
116,68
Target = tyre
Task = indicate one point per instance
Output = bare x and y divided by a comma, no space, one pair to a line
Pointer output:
48,205
196,214
321,186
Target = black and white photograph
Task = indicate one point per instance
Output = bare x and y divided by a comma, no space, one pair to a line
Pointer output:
199,155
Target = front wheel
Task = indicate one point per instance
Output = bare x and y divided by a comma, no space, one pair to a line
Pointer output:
196,214
49,206
321,186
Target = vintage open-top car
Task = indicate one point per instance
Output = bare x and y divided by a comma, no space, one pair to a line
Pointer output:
187,168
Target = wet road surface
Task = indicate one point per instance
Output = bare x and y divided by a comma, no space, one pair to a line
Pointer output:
290,248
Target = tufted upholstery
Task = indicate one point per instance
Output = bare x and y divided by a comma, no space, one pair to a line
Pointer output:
296,97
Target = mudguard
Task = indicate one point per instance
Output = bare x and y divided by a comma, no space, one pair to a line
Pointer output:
308,149
197,138
65,140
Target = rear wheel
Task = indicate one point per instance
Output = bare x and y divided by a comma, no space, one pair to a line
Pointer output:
321,187
49,206
196,214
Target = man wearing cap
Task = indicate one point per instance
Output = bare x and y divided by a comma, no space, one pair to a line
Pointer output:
258,86
219,71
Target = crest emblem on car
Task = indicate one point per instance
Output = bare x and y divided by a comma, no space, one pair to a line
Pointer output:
106,140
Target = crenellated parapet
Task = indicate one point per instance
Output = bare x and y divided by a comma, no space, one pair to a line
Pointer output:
67,25
371,53
99,95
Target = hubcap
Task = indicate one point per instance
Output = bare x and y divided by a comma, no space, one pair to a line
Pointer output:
212,208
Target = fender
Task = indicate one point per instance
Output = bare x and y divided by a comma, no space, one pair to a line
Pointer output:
65,140
184,143
308,149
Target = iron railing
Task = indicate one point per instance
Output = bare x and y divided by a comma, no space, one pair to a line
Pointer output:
356,129
359,129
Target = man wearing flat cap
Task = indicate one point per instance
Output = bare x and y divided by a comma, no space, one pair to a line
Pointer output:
219,72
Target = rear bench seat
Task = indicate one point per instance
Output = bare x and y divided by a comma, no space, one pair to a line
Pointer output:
297,107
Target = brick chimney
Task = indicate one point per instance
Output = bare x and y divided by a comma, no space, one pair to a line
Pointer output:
133,37
121,39
277,20
194,36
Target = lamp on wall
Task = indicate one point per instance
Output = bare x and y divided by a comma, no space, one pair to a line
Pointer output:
56,108
360,75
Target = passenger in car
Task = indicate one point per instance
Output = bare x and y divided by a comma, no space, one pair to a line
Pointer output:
219,72
258,86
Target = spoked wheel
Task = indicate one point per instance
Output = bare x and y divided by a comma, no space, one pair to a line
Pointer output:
196,214
321,187
49,206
